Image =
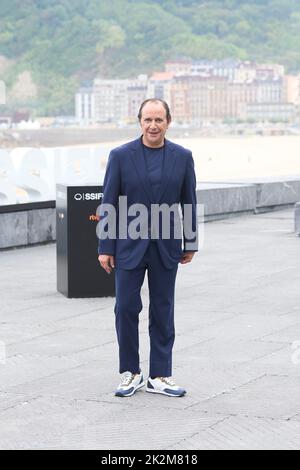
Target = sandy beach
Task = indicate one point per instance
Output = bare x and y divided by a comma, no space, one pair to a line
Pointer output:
245,157
225,158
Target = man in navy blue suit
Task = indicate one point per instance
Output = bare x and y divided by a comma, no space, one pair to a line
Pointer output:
148,174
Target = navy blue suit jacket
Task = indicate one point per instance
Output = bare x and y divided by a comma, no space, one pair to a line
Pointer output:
126,175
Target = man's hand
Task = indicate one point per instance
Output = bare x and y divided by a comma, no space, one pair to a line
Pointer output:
187,257
107,262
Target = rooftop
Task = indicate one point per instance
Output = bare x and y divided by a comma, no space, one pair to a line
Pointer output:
162,76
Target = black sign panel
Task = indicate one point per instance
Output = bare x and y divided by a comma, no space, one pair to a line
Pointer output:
79,273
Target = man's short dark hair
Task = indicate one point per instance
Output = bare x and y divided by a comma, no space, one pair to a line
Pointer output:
155,100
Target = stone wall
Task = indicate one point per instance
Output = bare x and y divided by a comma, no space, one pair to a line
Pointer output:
27,227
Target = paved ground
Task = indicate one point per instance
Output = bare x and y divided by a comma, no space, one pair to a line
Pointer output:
237,317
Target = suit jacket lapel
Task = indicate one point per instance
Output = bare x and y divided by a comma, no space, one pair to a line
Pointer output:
138,160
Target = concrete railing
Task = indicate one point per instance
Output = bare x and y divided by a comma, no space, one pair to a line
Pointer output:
27,224
35,223
255,195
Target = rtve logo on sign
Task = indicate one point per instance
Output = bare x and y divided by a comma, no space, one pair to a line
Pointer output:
88,196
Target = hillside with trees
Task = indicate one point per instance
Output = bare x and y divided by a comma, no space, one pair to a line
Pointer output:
59,45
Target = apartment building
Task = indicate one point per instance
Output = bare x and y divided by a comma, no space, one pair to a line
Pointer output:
111,100
291,89
180,99
270,111
85,105
137,92
179,67
159,86
196,91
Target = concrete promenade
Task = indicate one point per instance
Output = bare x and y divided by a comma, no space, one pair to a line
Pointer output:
237,351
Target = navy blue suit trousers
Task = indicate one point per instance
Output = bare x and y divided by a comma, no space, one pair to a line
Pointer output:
161,282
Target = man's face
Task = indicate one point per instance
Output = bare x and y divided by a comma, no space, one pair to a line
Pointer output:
154,124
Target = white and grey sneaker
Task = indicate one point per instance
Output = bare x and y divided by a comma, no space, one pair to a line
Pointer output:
165,386
130,383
